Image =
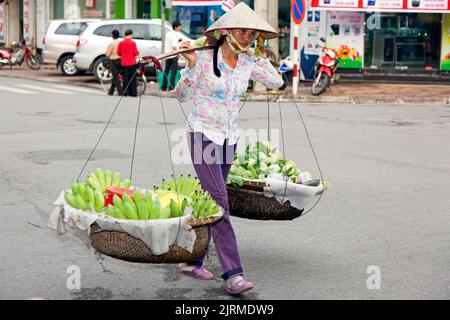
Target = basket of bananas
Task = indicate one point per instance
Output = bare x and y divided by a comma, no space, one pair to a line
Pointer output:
168,224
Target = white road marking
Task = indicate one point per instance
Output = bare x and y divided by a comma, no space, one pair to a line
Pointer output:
30,86
79,89
15,90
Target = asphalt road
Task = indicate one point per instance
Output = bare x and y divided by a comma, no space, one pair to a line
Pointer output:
386,213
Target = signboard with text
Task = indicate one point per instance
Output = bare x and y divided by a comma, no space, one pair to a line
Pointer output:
2,22
196,3
383,5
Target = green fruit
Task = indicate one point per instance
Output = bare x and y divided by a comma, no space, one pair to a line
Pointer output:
74,188
148,200
165,214
108,178
101,177
99,201
120,214
91,198
174,210
144,213
70,199
130,212
116,179
155,210
126,184
118,203
82,205
110,211
137,198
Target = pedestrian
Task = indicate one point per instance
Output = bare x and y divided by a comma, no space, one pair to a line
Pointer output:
173,40
128,52
114,62
215,80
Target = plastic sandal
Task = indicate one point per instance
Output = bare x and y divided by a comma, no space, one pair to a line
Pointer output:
199,273
239,287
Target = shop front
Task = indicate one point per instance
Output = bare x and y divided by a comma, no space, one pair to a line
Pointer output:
386,36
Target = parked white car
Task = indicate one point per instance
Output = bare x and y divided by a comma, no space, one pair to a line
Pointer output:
91,46
60,43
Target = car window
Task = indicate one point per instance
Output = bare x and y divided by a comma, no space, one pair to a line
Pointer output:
71,28
140,31
106,31
155,32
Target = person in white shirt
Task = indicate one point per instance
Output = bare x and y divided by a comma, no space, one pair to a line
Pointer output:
172,42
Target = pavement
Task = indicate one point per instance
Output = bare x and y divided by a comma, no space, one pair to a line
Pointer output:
342,92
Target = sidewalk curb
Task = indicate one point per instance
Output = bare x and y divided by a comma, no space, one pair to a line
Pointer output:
272,97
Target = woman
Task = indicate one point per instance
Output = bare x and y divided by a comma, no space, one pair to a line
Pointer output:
115,65
215,80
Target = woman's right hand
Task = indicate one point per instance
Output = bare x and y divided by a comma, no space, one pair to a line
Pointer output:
191,57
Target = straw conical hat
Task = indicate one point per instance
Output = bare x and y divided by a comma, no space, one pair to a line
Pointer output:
241,16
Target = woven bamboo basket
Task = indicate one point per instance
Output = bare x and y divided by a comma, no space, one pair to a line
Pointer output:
249,202
121,245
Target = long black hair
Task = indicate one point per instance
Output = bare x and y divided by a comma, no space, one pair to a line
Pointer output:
216,51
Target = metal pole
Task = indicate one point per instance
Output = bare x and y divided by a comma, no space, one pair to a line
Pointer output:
296,56
163,28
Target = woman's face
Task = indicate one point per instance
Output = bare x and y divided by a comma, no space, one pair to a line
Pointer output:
244,37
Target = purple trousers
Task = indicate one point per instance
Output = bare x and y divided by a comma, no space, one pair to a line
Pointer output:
212,163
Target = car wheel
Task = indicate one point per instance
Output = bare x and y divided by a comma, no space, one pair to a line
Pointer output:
101,70
67,66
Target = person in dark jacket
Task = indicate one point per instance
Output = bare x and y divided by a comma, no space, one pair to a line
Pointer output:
128,51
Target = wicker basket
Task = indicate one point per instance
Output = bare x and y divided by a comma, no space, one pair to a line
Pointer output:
249,202
121,245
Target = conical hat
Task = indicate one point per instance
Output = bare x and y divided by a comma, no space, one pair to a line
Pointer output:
241,16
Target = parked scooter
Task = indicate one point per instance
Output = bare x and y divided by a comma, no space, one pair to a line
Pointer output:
324,70
9,57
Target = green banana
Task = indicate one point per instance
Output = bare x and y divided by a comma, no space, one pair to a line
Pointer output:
118,203
108,178
90,197
82,191
184,205
155,210
74,188
101,178
144,213
70,199
172,183
120,214
148,200
110,211
127,199
116,179
130,212
99,201
80,202
165,213
174,210
181,184
126,184
164,185
137,198
95,183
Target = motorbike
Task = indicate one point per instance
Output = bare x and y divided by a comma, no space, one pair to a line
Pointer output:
324,70
9,57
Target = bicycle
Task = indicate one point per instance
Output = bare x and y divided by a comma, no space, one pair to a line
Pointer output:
106,76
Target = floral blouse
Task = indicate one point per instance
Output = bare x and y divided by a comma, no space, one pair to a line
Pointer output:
216,100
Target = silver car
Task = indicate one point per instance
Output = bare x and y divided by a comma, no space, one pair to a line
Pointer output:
60,43
91,47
